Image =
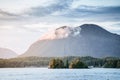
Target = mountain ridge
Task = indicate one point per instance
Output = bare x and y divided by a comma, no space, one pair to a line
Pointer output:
91,40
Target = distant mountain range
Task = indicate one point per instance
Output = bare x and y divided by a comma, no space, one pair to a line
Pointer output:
7,53
85,40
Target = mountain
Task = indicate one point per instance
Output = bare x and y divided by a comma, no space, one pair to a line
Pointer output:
7,53
85,40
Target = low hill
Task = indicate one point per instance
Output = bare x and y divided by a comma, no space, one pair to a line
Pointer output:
7,53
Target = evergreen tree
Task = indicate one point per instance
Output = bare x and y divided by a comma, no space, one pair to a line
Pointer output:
77,64
56,63
118,64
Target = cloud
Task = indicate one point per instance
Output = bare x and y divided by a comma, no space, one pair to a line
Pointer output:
95,13
58,5
60,12
19,6
6,15
63,9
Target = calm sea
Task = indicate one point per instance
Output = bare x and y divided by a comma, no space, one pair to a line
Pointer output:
59,74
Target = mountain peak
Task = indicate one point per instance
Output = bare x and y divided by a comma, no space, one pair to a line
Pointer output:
90,26
83,30
63,27
62,32
93,29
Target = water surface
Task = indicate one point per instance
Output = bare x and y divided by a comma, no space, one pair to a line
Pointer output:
59,74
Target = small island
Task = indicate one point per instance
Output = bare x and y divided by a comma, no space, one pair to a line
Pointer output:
74,64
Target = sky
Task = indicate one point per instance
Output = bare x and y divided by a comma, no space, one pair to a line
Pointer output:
22,22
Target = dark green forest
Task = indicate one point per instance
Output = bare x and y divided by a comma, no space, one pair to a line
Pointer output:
108,62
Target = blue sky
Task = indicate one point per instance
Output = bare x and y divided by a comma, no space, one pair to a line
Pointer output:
22,22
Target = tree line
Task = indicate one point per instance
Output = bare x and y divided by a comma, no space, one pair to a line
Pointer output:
108,62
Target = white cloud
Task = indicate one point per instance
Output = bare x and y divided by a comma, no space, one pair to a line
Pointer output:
78,3
43,26
6,27
18,6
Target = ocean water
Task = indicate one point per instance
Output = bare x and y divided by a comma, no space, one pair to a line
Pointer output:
59,74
